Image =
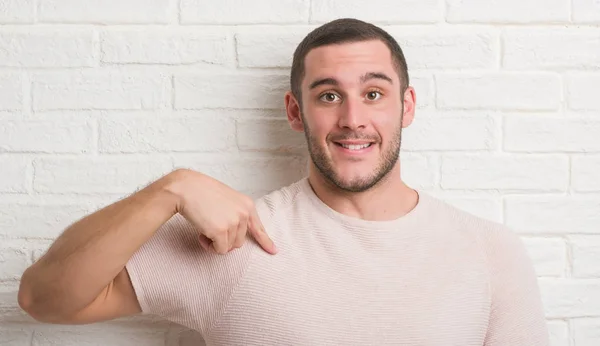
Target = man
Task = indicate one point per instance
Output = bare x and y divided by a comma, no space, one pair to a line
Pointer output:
361,258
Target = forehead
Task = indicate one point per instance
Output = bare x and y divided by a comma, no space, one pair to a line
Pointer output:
349,61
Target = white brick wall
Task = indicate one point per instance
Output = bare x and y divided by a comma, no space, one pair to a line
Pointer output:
98,98
176,46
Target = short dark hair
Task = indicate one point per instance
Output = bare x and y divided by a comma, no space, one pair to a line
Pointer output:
345,30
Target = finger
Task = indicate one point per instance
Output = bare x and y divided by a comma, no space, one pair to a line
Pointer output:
204,242
257,231
220,243
240,237
231,235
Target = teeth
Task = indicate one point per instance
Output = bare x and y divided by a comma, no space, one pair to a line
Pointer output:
356,147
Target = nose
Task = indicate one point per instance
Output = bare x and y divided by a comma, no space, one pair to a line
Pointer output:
353,114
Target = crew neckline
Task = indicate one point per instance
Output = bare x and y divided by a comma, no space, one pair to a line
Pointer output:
408,220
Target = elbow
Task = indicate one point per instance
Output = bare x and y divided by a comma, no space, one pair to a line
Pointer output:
29,302
25,296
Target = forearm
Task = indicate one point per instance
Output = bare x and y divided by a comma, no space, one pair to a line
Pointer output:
91,253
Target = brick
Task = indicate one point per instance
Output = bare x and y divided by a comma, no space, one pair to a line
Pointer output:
32,47
423,47
549,255
566,298
253,176
558,333
47,135
97,175
39,220
268,46
423,85
15,174
38,253
96,336
14,336
439,133
586,256
244,12
537,48
425,11
13,262
269,135
507,11
488,208
160,46
10,312
586,11
11,91
501,91
524,172
419,171
144,134
8,297
230,90
582,91
446,48
584,173
100,89
16,11
553,214
586,331
104,12
551,134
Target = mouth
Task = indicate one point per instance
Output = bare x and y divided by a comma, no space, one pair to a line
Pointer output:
354,147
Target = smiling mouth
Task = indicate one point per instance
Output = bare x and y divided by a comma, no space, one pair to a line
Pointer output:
354,146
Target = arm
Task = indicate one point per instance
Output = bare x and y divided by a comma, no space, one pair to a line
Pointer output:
517,316
82,278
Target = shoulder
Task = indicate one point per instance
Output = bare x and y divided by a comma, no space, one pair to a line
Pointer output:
278,202
487,233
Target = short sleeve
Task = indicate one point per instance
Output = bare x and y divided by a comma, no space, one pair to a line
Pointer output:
517,316
175,278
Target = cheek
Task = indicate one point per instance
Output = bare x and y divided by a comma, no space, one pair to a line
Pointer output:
319,123
387,129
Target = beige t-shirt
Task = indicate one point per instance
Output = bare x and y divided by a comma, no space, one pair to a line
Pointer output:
436,276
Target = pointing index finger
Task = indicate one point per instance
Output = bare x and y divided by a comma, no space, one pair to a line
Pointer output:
257,230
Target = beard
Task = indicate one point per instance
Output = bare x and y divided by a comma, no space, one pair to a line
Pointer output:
324,164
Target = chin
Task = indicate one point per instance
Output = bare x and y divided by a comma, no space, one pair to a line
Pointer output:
353,182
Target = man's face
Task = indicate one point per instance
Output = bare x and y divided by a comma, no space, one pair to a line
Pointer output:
352,113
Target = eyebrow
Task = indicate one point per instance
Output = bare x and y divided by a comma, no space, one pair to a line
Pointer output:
375,75
364,78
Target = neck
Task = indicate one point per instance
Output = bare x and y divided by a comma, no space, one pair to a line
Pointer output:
389,199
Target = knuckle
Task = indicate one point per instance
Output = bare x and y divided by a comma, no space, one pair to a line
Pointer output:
247,202
234,223
225,226
244,214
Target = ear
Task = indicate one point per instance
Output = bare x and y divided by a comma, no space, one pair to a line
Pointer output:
410,101
292,108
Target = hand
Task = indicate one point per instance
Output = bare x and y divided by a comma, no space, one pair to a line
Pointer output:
221,214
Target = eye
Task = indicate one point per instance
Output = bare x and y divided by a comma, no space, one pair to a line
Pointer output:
373,95
329,97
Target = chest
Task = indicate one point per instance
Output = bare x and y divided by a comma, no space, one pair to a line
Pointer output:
340,295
